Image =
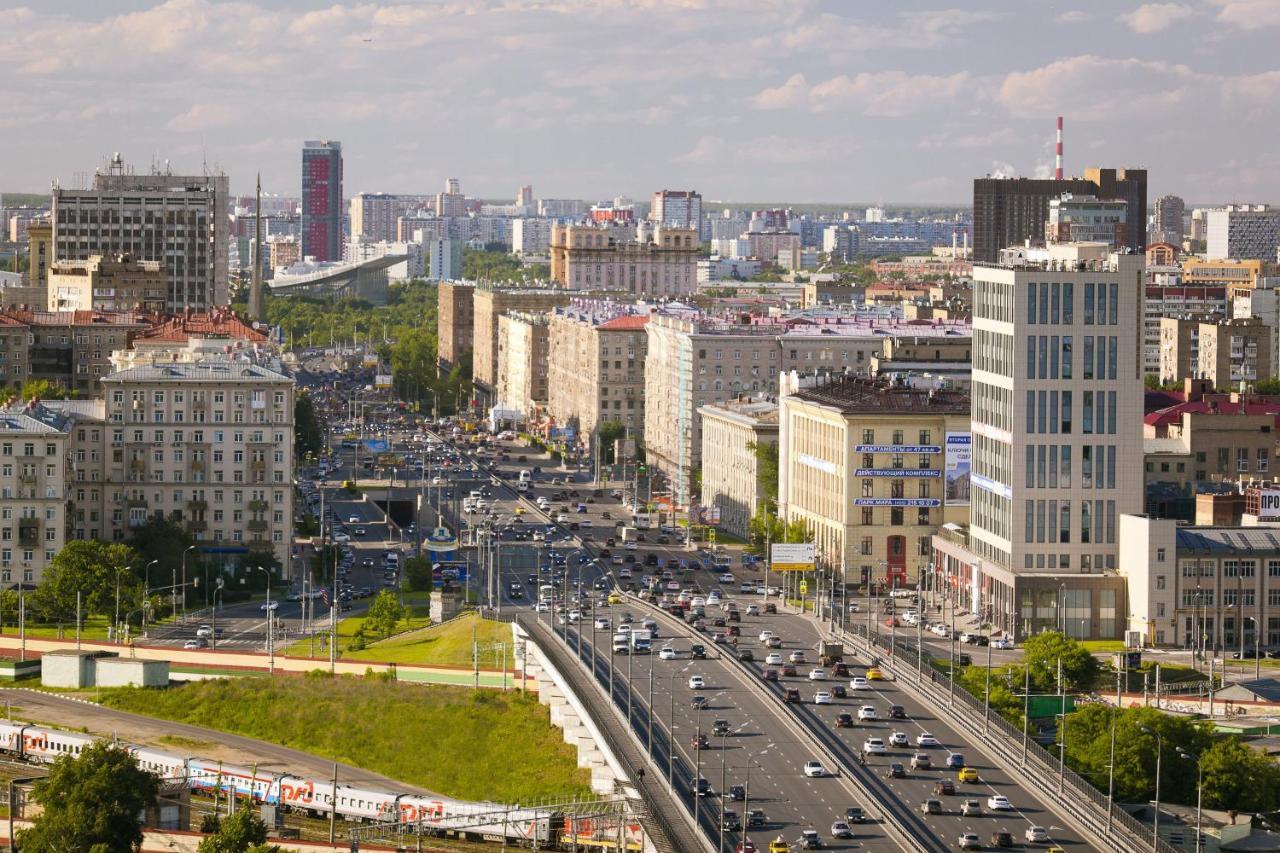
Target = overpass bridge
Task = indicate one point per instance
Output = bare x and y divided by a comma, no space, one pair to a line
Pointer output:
365,280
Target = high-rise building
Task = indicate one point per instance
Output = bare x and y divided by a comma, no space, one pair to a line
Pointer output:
322,199
451,202
179,220
596,368
374,215
677,209
456,320
33,490
490,302
1243,232
1057,441
121,283
1085,219
1009,211
1167,214
524,196
444,260
530,236
586,257
522,363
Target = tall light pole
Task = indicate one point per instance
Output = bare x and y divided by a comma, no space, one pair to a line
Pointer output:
1257,658
271,651
1155,829
146,590
184,580
1199,790
119,572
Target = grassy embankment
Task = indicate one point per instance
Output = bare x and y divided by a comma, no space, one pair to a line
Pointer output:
474,745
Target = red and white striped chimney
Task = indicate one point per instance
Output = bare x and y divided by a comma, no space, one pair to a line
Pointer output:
1057,172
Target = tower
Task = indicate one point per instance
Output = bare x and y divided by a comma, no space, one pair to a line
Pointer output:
1057,171
257,300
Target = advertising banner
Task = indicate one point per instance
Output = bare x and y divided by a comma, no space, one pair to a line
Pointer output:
375,445
1269,504
958,459
792,557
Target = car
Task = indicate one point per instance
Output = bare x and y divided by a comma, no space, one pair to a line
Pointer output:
1002,643
839,691
873,746
875,674
858,683
360,531
927,740
720,728
809,840
697,682
746,655
703,788
969,841
841,829
602,623
955,760
777,845
844,720
353,519
737,793
269,605
867,712
615,598
756,818
773,659
730,821
753,610
814,769
898,739
822,697
197,643
1001,838
854,814
770,675
896,770
931,807
897,712
765,635
999,803
944,787
204,632
667,653
1036,834
920,761
967,775
791,694
971,808
789,670
773,643
817,674
699,741
797,656
700,702
698,651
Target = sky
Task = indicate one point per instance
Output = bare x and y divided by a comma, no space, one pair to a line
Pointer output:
778,100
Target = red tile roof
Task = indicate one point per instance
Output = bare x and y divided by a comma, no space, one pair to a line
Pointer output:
217,325
625,322
1251,406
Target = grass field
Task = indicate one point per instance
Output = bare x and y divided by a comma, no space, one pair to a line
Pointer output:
474,745
1103,646
447,644
417,604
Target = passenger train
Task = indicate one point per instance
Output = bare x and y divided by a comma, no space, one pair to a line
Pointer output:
486,821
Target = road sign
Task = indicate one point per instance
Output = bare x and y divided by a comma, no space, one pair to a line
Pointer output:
792,557
804,586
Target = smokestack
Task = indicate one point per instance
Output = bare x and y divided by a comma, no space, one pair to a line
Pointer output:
1057,172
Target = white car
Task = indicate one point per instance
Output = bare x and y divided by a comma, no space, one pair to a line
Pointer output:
899,739
817,674
269,605
541,607
667,653
204,632
822,697
1005,643
195,644
353,519
867,712
998,803
814,769
698,601
969,841
617,561
726,578
602,623
797,656
696,682
765,635
584,522
773,659
561,518
624,574
631,546
873,746
858,683
341,537
926,739
1036,834
753,610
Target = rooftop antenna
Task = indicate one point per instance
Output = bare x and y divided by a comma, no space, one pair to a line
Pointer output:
1057,171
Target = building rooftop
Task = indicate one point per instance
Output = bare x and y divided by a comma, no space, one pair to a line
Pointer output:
208,370
856,395
222,323
757,411
1216,405
1227,540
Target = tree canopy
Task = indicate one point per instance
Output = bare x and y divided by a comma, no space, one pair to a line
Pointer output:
92,568
308,434
384,614
241,832
1042,652
91,802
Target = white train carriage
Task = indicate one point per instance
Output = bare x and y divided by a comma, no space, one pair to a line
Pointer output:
363,804
48,745
260,785
471,817
169,768
11,737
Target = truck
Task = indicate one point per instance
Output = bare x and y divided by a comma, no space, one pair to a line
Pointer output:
622,643
629,534
830,653
641,642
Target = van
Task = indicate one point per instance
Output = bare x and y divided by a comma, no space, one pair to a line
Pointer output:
393,558
475,495
525,476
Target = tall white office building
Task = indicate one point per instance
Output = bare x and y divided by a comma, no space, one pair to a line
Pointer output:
1057,440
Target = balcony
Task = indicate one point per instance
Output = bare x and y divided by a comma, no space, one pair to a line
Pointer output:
198,525
31,479
197,465
197,505
28,532
257,506
258,466
256,525
138,466
136,503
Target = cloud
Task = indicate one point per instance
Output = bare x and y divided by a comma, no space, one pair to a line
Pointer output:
1094,87
707,149
1249,14
1156,17
887,93
201,117
1073,16
792,93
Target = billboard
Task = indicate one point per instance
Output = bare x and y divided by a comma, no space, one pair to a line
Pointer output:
376,445
382,380
958,459
792,557
1269,504
706,514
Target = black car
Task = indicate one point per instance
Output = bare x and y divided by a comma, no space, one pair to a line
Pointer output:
756,818
737,793
897,712
844,720
1002,838
839,691
730,821
746,655
699,702
720,728
791,694
517,591
896,770
854,814
704,788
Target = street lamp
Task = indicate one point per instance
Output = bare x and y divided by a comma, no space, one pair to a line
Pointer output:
1155,830
184,580
118,573
146,590
271,651
1199,789
1257,636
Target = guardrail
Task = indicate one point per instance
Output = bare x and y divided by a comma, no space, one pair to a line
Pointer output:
1020,753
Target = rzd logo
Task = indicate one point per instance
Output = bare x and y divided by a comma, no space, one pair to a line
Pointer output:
291,793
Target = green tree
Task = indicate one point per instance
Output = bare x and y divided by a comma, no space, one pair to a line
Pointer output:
770,527
1042,653
242,832
1237,776
45,390
1151,381
91,568
91,802
417,573
164,540
767,471
384,614
308,434
1088,737
607,433
1270,387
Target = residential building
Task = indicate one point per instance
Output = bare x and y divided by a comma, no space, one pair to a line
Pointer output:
1234,351
1262,301
524,196
33,490
1180,346
530,236
374,216
586,257
840,242
731,475
424,229
444,260
678,209
322,207
1222,438
1057,441
1167,214
694,360
596,368
179,220
1086,219
717,269
39,254
72,349
1221,273
283,252
15,355
119,283
1175,301
522,363
207,442
1243,232
451,202
1010,211
1163,255
874,468
455,322
489,302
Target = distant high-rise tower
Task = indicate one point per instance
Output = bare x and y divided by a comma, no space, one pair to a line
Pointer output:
1168,212
524,196
322,199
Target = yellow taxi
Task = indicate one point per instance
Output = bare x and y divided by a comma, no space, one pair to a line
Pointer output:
614,598
519,510
777,845
875,674
967,774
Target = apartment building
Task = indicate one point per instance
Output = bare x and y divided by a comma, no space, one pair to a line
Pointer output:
1243,232
530,235
522,363
1218,438
119,283
455,322
1057,441
694,360
1234,351
73,349
39,254
33,490
207,442
489,302
1262,301
1086,219
874,468
374,215
1174,301
585,257
596,368
731,476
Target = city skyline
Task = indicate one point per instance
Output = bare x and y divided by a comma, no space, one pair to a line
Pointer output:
811,101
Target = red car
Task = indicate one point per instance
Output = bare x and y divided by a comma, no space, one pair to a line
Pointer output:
746,847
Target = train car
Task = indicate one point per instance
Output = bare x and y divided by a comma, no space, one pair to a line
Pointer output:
48,745
259,785
469,817
11,737
169,768
363,804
